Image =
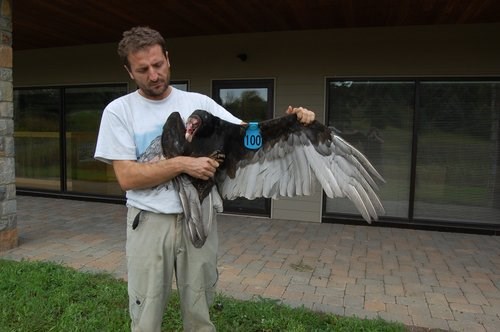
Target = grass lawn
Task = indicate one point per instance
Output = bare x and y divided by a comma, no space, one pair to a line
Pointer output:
37,296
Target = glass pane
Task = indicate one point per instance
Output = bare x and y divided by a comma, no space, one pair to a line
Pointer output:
36,126
249,104
84,107
458,152
376,117
181,85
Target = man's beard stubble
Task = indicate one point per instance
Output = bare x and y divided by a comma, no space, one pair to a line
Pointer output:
159,91
155,91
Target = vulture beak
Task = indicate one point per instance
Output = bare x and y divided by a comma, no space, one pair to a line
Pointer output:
188,136
193,123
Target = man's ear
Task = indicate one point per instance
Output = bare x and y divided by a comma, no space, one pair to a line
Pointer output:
128,71
168,61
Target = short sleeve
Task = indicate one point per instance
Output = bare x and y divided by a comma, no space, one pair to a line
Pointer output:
115,140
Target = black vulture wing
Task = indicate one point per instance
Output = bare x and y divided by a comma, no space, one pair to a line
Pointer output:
294,157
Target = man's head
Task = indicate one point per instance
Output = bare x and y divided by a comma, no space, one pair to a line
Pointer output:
143,53
139,38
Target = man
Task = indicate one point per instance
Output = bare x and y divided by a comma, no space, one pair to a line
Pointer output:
158,247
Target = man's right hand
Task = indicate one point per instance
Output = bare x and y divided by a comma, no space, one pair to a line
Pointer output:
202,168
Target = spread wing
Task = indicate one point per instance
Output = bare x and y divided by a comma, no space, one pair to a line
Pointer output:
293,158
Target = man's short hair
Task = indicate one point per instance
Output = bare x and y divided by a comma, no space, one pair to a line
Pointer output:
139,38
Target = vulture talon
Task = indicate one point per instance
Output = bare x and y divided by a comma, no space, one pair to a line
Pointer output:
218,156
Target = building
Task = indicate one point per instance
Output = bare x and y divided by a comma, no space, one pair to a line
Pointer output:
415,85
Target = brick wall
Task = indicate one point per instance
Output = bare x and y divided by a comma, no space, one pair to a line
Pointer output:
8,221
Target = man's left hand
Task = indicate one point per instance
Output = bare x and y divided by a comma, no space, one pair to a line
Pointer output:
304,115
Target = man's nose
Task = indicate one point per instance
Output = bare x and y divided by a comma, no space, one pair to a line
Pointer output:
153,75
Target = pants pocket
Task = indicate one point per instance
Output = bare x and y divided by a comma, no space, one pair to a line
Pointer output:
137,303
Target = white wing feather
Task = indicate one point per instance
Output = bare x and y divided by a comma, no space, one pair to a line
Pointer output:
292,167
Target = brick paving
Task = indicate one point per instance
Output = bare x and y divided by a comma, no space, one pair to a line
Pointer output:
430,279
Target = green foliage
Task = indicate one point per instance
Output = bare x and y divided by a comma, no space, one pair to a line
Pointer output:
36,296
247,105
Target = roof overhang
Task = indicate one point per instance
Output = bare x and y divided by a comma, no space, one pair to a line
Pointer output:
54,23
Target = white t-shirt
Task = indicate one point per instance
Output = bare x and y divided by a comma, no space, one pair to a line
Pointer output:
130,129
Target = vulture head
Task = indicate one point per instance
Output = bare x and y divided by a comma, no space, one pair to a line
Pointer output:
200,123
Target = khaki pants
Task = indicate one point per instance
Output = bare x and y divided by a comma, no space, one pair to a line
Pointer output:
157,249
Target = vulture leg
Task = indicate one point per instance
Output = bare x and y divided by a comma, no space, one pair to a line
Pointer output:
218,156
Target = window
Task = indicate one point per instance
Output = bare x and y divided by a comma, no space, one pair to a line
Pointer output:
442,168
181,85
377,118
55,136
37,138
249,100
458,175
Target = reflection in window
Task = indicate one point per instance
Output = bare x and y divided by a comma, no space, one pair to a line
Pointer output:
250,104
46,159
376,117
181,85
456,160
249,100
36,127
458,174
83,110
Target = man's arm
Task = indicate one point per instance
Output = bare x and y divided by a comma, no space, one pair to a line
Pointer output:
134,175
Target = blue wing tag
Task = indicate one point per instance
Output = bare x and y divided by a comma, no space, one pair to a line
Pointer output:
253,138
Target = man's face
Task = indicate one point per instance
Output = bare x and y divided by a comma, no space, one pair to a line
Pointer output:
150,69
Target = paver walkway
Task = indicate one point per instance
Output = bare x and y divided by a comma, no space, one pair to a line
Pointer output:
425,278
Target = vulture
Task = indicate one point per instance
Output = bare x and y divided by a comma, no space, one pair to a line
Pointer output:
274,158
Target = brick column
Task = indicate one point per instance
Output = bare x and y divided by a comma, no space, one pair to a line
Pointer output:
8,221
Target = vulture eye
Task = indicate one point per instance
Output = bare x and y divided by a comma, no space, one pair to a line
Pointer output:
192,125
